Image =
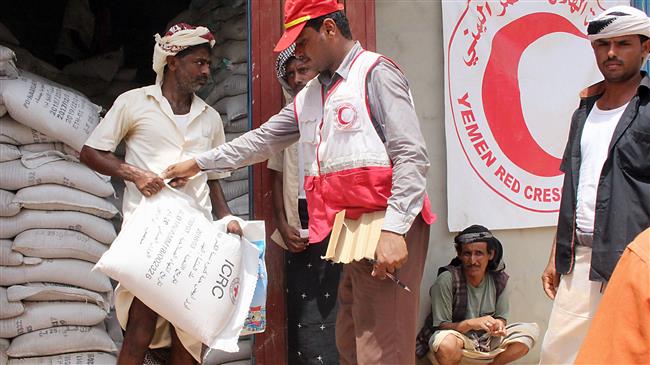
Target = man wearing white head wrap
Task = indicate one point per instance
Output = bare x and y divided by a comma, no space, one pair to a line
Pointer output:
606,194
179,37
618,21
161,123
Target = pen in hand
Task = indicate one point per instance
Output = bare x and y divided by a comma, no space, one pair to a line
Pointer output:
398,282
394,278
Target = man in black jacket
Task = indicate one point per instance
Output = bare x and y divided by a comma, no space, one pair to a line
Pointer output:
606,194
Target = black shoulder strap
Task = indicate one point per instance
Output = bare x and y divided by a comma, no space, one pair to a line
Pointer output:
459,308
422,340
459,289
500,281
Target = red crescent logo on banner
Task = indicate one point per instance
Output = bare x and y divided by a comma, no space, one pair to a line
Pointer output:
501,94
484,63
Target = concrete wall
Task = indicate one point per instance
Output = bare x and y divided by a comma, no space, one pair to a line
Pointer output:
410,31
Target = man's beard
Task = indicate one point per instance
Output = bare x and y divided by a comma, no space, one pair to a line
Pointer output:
192,85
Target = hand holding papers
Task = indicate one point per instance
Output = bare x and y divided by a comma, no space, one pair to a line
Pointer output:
357,239
354,239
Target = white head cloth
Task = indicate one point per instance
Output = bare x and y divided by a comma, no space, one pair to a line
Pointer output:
618,21
179,37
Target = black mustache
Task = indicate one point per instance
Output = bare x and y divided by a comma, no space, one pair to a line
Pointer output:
613,59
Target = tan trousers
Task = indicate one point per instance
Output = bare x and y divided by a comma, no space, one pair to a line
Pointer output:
524,333
574,307
376,323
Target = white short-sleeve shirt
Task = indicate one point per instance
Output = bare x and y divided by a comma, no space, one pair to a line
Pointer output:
144,119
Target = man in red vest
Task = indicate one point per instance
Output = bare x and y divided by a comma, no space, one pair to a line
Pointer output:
364,152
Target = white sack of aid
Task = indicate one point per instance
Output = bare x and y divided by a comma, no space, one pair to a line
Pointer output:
180,264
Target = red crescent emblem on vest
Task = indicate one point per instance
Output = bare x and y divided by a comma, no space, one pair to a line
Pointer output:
346,115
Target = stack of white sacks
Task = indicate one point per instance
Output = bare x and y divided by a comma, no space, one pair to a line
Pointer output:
55,223
31,162
101,77
227,92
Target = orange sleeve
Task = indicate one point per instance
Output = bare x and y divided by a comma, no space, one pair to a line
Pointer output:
620,331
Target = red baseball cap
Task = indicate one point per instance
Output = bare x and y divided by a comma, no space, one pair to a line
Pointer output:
296,15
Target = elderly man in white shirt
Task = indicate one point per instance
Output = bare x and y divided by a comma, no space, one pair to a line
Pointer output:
161,123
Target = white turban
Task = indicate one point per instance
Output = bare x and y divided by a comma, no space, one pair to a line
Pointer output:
618,21
179,37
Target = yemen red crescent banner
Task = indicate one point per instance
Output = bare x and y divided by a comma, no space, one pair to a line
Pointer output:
513,73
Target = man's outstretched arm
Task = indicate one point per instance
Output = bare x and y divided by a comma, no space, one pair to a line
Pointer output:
280,131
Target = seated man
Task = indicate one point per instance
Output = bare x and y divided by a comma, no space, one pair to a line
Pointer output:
470,306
